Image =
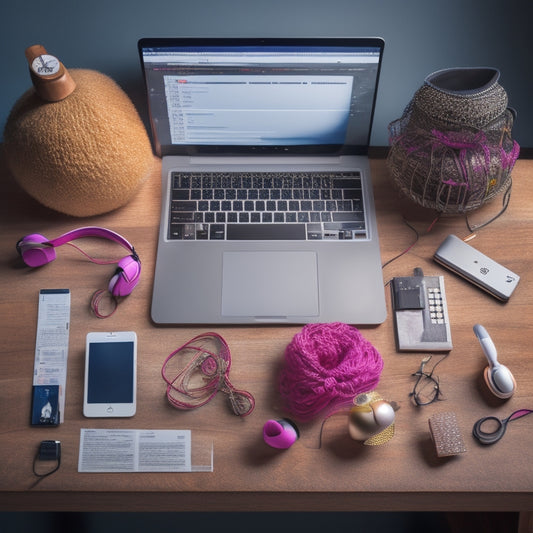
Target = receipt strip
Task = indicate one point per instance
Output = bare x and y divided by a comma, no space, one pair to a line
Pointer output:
51,352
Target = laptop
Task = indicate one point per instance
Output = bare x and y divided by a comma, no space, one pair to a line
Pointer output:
267,210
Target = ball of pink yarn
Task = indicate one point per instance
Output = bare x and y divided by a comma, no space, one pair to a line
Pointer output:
326,367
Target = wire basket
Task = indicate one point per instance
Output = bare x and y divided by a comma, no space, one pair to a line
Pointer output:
452,149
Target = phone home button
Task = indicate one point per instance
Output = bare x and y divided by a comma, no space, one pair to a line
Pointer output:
110,410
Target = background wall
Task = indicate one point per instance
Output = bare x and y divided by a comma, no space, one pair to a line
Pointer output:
421,36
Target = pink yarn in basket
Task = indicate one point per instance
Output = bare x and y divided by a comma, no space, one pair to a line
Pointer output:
326,367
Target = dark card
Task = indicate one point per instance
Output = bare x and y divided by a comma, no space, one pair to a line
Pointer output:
45,405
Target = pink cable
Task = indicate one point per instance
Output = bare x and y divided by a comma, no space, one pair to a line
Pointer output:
95,303
97,295
93,259
326,367
206,373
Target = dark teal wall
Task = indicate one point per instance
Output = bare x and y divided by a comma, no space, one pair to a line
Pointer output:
421,36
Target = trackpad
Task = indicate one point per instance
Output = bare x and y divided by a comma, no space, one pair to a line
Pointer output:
270,284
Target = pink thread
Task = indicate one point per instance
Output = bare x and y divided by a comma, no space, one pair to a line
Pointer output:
468,147
326,367
204,374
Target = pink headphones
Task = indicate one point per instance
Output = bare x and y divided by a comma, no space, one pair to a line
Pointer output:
36,250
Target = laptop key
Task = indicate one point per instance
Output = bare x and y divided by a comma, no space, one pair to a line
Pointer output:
353,194
342,216
264,231
346,183
183,206
341,226
180,194
182,217
176,231
216,231
202,232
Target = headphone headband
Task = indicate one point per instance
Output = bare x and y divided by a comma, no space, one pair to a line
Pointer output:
90,231
36,250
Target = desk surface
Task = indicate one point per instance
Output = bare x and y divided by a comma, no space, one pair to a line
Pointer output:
403,474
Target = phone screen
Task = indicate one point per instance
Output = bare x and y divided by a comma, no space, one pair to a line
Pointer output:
110,372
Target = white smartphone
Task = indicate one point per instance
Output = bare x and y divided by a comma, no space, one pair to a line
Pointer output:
110,374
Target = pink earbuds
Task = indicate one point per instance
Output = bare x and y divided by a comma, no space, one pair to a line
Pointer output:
281,434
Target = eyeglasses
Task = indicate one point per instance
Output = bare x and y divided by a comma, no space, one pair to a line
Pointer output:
427,387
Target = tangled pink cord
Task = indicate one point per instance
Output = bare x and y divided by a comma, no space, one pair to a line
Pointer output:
204,374
326,367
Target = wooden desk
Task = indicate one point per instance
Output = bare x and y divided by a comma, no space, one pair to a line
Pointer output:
343,475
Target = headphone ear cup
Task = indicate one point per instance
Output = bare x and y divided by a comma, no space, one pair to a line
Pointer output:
503,386
33,252
126,276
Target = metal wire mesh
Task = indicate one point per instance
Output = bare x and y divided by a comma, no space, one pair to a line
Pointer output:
453,150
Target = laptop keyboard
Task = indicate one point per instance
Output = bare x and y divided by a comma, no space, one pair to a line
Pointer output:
266,206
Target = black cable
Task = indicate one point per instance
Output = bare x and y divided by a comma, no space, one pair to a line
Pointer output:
408,248
505,204
48,450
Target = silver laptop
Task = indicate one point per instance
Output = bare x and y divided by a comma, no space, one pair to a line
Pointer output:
267,211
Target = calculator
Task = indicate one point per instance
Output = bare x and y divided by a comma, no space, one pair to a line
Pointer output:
420,309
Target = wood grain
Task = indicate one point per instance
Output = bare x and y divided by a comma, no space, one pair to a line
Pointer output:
404,474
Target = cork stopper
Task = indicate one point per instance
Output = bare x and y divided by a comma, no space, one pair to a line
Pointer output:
50,78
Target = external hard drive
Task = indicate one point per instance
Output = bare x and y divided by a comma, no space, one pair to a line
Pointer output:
472,265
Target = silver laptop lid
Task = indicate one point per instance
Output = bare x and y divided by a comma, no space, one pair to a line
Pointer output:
261,96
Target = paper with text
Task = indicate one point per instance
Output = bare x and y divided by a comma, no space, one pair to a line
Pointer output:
51,343
134,450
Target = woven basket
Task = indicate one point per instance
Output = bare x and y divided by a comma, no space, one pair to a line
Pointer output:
452,148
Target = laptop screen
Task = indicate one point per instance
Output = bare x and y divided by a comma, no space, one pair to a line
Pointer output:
295,96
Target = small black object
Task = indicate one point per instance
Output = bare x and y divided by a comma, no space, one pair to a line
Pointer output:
427,387
49,450
407,294
501,425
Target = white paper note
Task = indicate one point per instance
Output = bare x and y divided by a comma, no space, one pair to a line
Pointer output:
134,450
